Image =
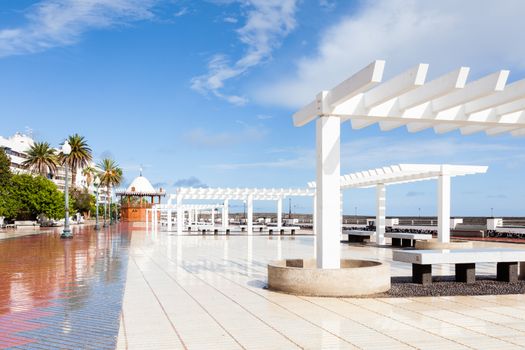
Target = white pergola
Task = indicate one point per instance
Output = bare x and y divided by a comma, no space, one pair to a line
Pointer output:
193,211
227,194
445,104
405,173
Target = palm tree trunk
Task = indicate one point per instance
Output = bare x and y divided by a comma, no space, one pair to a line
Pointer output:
73,177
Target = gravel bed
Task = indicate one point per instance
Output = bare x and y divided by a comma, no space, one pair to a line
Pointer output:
402,287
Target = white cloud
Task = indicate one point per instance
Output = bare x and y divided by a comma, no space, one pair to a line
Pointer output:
327,4
192,181
230,19
53,23
372,152
183,11
484,34
267,22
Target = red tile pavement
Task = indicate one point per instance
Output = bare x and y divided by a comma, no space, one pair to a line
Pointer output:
57,293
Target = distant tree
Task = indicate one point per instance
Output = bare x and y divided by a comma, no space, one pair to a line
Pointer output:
90,173
84,202
41,159
34,196
5,170
110,176
79,157
7,206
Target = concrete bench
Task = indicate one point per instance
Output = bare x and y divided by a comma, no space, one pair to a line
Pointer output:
200,228
283,229
403,239
465,261
227,229
259,228
22,223
358,236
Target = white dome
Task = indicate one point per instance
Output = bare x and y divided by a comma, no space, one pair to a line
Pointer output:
141,185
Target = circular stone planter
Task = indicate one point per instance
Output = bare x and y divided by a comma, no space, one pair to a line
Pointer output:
434,244
354,278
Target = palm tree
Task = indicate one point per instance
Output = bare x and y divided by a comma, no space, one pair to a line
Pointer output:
90,173
79,157
110,176
41,158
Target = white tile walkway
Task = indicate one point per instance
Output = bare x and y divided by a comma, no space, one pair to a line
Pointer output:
206,292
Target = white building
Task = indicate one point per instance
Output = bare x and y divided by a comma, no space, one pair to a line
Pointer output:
16,148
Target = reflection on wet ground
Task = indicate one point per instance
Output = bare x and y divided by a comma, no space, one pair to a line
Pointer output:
65,294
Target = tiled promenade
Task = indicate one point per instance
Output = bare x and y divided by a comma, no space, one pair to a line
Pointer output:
207,292
62,294
195,292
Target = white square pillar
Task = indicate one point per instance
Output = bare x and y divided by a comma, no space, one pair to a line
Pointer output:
213,216
328,190
444,205
314,224
279,212
154,219
249,208
180,215
169,219
341,211
225,214
380,213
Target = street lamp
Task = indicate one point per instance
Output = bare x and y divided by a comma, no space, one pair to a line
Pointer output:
96,182
105,208
66,233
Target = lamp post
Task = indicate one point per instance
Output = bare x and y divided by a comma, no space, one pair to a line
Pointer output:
105,208
66,233
97,185
116,211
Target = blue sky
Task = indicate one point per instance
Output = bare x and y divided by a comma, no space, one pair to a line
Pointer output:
202,92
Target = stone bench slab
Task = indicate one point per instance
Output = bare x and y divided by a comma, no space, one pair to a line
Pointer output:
465,261
458,256
403,235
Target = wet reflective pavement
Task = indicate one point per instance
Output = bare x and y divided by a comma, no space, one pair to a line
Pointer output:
62,294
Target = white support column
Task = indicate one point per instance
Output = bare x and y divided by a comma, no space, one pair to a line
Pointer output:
341,211
380,213
444,205
314,225
328,190
249,208
213,216
169,218
154,219
279,213
225,214
196,219
180,215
